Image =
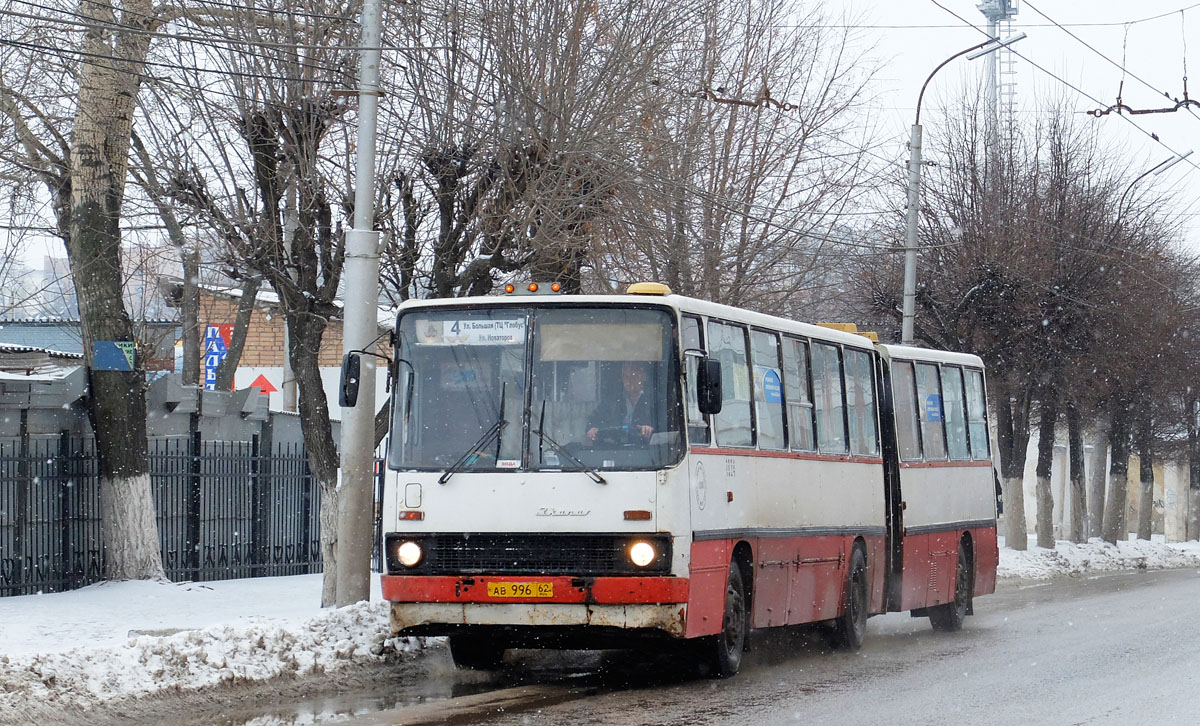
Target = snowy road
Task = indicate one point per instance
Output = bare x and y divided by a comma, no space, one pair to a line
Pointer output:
1108,649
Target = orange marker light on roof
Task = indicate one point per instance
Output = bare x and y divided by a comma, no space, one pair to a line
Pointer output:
510,288
555,287
533,287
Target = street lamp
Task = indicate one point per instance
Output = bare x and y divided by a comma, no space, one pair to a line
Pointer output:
1157,169
914,186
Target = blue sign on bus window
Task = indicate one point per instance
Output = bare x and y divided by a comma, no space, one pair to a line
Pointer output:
933,407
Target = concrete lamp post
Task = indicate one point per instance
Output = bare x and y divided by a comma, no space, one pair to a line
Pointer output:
914,186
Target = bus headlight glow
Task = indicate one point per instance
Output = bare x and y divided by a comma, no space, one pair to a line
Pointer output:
642,554
409,553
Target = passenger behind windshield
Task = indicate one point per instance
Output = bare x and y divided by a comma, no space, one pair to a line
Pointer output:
630,416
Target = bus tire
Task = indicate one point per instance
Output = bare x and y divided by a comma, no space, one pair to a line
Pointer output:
724,650
851,626
475,652
949,617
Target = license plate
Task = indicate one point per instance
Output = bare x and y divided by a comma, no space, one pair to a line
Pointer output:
520,589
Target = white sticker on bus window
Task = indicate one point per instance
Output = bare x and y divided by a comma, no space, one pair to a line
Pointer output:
470,332
508,463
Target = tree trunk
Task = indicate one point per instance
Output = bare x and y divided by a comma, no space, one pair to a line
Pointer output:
1045,465
1099,480
241,326
117,404
1078,479
1193,435
305,331
383,421
1145,445
1013,439
189,260
1118,475
189,310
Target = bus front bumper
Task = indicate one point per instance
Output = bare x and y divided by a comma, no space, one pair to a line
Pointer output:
425,604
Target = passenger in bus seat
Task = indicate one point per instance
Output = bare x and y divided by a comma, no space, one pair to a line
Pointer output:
634,412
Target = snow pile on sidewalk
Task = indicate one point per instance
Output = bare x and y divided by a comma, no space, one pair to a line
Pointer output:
1068,558
50,661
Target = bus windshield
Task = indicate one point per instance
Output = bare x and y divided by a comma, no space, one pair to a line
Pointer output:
542,388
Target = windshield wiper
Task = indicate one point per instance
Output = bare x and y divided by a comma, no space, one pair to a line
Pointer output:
562,451
474,451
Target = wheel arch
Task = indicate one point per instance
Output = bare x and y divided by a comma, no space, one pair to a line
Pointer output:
743,556
967,543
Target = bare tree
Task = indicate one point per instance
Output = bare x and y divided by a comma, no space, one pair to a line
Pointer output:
113,53
745,173
513,155
265,117
1025,266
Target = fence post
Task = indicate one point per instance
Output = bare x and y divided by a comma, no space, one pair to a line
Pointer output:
66,484
377,546
262,485
312,545
22,573
192,541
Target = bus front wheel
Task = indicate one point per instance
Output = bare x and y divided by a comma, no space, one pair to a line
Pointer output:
475,652
726,648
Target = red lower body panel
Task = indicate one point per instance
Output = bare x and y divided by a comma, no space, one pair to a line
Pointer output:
795,580
931,560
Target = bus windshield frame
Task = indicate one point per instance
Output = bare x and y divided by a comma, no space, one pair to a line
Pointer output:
537,387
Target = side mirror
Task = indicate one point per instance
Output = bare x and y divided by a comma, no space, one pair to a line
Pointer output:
708,386
351,372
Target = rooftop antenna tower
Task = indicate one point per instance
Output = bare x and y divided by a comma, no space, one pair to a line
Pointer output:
1001,66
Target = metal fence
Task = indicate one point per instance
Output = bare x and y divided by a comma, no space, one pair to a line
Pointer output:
225,510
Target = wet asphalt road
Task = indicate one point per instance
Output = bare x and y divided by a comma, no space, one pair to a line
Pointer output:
1114,649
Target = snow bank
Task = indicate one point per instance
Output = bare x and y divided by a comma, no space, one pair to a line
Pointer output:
1068,558
77,674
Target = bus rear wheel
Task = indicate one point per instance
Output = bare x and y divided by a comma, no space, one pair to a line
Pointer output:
724,650
475,652
949,617
851,626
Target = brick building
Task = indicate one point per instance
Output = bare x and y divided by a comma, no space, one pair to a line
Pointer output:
263,358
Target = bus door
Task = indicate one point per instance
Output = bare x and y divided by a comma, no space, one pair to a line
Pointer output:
893,502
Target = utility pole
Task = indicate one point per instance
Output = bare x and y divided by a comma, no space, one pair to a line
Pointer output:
912,214
359,331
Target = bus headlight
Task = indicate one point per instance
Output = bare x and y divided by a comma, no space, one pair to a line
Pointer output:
642,554
409,553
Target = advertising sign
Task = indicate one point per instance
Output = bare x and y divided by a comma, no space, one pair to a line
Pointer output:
216,346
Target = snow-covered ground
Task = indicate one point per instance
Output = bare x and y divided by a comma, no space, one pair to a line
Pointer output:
68,652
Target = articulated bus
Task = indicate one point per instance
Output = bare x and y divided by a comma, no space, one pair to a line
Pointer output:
607,471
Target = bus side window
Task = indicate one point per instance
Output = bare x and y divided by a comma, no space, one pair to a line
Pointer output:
697,423
956,420
908,437
860,400
827,393
930,411
768,390
797,392
733,425
977,429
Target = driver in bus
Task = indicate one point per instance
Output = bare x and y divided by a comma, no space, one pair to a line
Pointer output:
633,413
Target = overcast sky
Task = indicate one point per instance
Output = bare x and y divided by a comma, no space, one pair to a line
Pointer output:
911,37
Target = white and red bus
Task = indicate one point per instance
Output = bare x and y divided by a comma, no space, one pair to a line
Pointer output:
595,471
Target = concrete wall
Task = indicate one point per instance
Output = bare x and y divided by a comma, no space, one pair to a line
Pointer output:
1171,492
40,408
